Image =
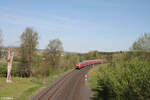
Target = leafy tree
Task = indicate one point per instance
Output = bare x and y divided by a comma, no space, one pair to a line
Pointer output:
1,40
124,80
93,55
29,42
142,44
53,52
75,59
69,61
72,59
82,58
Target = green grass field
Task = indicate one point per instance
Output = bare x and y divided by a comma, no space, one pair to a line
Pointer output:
19,89
25,88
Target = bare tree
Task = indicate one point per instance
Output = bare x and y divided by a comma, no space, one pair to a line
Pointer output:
142,44
29,42
9,66
53,52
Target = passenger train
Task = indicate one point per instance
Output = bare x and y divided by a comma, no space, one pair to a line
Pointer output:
88,62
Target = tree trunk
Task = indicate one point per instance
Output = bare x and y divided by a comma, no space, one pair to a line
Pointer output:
30,55
9,66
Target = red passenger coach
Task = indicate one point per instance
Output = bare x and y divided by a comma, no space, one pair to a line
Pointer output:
88,62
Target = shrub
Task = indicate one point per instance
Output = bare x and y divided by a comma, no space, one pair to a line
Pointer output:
126,80
3,69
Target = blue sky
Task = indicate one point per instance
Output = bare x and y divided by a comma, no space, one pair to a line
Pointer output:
82,25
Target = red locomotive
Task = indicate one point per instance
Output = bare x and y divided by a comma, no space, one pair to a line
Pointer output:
88,62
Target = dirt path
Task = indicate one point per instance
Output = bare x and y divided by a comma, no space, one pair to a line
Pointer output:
72,86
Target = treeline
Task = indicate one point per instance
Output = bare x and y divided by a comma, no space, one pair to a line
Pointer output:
127,78
31,62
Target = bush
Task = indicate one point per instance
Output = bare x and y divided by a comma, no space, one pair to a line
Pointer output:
126,80
41,72
3,69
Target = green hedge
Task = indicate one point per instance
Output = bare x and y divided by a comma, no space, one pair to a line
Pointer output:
126,80
3,69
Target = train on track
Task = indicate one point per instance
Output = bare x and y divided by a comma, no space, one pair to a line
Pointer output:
88,62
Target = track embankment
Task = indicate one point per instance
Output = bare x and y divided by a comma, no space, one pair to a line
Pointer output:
72,86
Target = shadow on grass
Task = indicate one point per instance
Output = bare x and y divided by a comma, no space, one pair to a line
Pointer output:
99,95
93,98
95,95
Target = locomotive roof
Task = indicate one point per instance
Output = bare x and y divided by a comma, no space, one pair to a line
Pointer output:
85,61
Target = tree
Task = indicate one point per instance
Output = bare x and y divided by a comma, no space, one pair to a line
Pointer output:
9,66
75,59
142,44
53,52
29,42
69,60
93,55
1,42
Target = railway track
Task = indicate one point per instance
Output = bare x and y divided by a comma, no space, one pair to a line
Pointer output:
68,87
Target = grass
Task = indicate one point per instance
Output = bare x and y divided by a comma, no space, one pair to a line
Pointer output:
17,88
24,88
